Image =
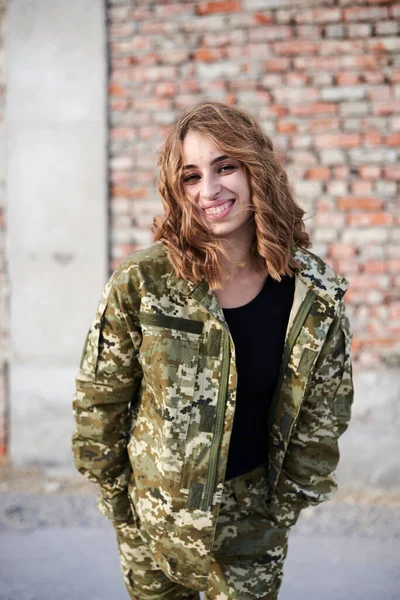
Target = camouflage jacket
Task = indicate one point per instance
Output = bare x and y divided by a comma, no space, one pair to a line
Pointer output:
155,403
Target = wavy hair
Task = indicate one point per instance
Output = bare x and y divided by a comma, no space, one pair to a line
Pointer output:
191,247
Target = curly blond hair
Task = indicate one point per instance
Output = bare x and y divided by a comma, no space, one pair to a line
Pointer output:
192,249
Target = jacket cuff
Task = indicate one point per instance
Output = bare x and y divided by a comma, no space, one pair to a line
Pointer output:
117,508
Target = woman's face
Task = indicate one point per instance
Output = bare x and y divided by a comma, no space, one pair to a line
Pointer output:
219,186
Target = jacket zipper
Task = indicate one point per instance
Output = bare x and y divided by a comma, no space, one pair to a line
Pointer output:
294,332
219,428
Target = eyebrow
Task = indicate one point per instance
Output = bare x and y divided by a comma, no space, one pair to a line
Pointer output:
213,162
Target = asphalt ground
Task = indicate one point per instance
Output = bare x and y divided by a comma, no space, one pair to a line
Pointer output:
55,545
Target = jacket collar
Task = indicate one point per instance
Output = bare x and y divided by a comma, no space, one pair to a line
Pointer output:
313,272
318,276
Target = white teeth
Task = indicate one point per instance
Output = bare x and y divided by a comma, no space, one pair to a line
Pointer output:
218,209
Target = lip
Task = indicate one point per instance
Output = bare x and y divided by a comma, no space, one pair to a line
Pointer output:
222,214
217,203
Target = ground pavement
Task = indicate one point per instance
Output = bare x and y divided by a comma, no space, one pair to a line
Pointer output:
55,545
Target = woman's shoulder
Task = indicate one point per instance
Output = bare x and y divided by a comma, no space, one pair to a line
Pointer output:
145,272
319,275
149,262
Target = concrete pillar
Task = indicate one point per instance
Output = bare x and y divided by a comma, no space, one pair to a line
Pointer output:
57,211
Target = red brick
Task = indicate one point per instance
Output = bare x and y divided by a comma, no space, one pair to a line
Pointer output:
319,173
370,172
394,266
347,267
341,172
361,13
286,127
373,77
314,108
375,266
156,27
385,108
304,158
175,57
275,65
115,89
121,133
342,140
189,86
394,76
380,92
351,203
120,30
369,281
342,250
226,6
384,342
372,139
273,110
300,79
271,80
263,18
360,188
230,99
119,105
393,140
319,15
277,32
295,48
141,14
324,125
364,61
348,78
369,219
392,173
169,9
207,55
151,104
166,89
133,193
338,47
317,63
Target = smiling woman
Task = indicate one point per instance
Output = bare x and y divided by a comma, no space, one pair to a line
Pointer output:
212,147
220,187
216,379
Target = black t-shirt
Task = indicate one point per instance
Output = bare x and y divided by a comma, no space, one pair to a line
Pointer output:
258,331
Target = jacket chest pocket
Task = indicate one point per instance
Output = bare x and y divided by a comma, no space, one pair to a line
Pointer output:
175,362
170,359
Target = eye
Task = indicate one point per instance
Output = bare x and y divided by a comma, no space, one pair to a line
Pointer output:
191,178
226,168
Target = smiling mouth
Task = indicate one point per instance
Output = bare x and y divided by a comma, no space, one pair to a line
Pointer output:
216,210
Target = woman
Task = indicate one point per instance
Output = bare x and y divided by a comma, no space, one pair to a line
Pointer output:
216,378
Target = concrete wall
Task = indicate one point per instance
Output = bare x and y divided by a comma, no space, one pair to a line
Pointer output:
370,448
4,287
57,212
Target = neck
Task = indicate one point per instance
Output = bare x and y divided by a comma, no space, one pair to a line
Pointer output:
240,261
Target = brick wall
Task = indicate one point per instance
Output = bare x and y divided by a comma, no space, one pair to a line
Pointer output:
324,81
3,269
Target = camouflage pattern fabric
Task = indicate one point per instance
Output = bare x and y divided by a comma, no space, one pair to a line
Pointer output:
156,396
247,557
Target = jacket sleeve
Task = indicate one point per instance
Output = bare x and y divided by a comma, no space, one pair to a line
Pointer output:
106,388
312,455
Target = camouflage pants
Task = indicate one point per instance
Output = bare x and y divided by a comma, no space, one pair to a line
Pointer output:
248,553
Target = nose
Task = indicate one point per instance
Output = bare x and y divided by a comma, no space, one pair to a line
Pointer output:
210,187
